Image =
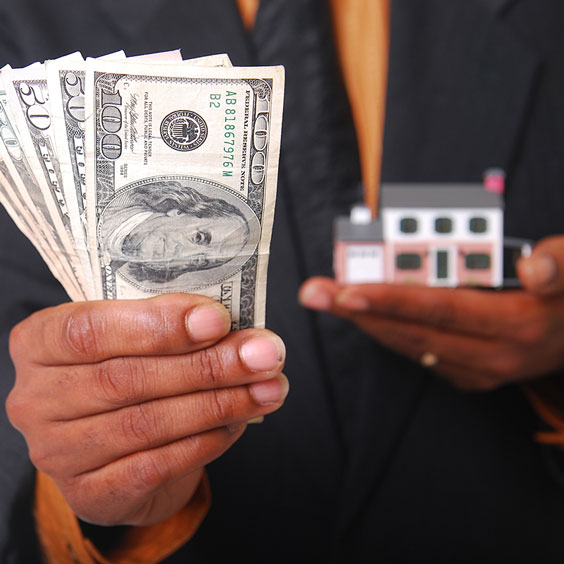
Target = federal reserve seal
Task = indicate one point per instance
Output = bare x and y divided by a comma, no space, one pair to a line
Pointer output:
184,130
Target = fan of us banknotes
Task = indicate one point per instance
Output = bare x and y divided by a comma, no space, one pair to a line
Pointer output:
145,175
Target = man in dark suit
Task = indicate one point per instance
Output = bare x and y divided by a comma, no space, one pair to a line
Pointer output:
372,457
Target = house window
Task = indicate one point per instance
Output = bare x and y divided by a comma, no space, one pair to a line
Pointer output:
443,225
408,225
478,225
408,261
478,261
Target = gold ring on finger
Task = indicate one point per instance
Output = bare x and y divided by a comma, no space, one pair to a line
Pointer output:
429,359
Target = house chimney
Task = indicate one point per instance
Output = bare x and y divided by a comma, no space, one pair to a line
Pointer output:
494,180
361,214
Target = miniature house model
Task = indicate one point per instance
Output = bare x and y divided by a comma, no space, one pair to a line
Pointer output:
431,234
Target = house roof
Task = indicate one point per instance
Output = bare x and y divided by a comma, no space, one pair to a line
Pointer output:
438,196
345,231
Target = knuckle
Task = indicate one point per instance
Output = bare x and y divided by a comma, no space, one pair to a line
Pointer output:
138,424
208,364
221,405
526,322
86,508
462,384
17,406
504,367
22,408
146,472
108,383
42,457
92,502
413,339
191,453
532,331
119,381
486,383
442,313
404,337
191,449
18,340
469,381
476,383
82,327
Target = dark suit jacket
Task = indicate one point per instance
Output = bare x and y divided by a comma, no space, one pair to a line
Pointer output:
371,459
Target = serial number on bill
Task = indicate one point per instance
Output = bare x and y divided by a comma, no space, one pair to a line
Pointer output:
230,115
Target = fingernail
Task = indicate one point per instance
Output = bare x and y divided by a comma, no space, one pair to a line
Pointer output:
263,354
234,428
256,420
315,299
207,322
541,270
351,301
270,392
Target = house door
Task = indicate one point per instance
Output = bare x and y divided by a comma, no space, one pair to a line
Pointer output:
443,266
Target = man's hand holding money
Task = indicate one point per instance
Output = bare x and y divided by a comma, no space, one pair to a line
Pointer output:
123,403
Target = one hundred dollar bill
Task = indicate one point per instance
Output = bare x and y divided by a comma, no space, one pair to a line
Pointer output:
181,175
66,88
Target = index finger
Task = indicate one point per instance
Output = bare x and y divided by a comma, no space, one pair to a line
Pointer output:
471,311
89,332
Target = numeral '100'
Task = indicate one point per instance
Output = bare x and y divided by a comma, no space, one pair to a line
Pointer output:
110,120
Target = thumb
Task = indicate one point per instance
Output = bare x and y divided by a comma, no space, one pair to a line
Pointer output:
543,272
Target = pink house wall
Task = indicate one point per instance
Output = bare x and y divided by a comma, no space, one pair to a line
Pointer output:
420,276
472,277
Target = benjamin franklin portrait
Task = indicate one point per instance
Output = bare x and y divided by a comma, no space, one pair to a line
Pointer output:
162,229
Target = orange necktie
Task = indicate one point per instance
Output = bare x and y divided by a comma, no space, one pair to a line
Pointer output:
362,34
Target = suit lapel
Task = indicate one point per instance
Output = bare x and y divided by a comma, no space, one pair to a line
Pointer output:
458,95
